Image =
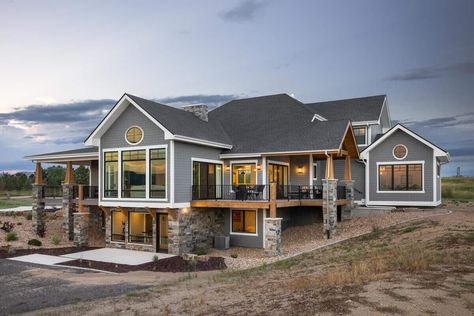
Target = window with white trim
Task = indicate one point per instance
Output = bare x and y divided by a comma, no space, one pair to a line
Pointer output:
244,221
360,134
134,135
401,177
400,152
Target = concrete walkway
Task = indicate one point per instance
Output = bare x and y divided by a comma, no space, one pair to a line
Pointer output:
40,259
119,256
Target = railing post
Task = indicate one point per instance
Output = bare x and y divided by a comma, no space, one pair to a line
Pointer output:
81,198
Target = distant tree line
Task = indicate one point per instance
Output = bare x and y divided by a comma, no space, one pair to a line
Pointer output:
53,176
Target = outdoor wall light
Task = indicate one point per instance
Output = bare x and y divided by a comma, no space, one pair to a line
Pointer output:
227,168
185,210
299,169
259,167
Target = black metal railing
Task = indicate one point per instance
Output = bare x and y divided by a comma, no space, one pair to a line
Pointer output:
50,191
91,192
256,192
341,192
300,192
110,193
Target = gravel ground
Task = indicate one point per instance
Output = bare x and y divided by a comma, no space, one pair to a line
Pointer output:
22,291
304,238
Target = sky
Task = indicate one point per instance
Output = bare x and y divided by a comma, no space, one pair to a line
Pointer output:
63,64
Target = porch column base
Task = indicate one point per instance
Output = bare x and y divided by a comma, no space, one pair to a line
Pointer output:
272,237
329,207
81,229
68,207
38,210
347,209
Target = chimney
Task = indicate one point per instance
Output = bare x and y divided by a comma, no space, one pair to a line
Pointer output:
200,110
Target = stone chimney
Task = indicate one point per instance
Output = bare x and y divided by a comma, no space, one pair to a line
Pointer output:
200,110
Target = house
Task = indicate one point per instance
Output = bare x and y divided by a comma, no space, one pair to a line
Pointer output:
169,179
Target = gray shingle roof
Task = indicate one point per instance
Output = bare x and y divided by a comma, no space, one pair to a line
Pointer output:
356,109
275,123
79,151
180,122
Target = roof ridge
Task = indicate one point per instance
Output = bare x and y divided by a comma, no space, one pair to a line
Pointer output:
348,99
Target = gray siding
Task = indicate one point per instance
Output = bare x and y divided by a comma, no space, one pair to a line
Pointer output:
416,151
184,152
115,135
374,130
295,177
94,173
242,240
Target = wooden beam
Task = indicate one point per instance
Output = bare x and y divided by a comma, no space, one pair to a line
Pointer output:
152,213
81,198
69,178
329,167
347,170
273,205
38,174
230,204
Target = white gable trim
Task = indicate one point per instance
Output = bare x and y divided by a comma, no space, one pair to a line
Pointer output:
437,151
319,118
93,139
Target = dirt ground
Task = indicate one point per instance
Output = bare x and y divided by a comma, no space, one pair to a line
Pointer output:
423,267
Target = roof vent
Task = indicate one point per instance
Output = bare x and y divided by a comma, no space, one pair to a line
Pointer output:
200,110
319,118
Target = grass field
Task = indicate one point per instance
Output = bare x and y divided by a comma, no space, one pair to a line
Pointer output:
14,203
15,193
454,188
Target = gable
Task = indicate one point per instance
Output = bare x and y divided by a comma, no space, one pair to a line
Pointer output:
114,137
416,149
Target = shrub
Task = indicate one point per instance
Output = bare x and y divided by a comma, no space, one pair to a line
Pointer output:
11,252
34,242
7,227
19,224
156,259
234,255
11,236
201,251
56,240
29,216
41,232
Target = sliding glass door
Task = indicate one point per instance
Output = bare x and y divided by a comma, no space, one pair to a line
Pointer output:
207,180
279,174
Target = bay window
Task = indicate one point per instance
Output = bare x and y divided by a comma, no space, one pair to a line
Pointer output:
244,174
134,174
400,177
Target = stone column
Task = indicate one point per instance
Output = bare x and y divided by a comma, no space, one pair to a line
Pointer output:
329,207
347,209
272,237
81,229
38,209
68,209
108,227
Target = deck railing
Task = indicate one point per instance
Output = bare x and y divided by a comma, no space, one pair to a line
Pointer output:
52,191
256,192
91,192
300,192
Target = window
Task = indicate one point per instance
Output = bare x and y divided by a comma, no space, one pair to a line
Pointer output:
360,135
315,171
401,177
244,222
134,174
118,226
111,174
400,152
244,174
158,173
140,228
134,135
207,180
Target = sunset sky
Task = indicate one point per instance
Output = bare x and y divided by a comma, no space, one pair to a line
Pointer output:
63,64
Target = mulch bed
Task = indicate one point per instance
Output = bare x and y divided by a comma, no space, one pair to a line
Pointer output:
172,264
44,251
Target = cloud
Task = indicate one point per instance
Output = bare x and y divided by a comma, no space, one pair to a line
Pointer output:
460,121
423,73
212,100
244,11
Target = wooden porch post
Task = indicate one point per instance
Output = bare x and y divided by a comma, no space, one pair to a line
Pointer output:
329,167
69,179
347,171
81,198
38,174
273,188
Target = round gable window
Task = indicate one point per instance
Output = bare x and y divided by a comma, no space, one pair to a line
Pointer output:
134,135
400,152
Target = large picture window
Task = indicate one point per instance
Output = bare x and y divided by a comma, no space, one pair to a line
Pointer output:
158,173
111,174
207,180
360,134
401,177
244,174
244,221
134,174
140,228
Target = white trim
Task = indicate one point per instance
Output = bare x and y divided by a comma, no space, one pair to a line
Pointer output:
142,204
281,163
422,162
437,150
243,162
360,123
172,174
367,179
218,162
435,182
368,140
193,140
282,153
311,170
319,118
147,149
393,151
365,135
64,158
141,139
403,203
244,234
264,177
